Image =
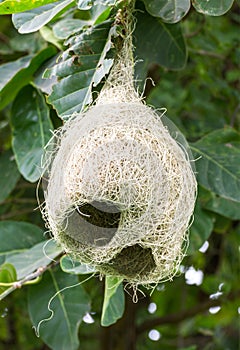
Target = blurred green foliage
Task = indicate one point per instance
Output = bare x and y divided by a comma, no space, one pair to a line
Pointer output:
195,66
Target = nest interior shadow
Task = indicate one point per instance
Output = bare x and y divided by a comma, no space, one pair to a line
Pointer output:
93,223
131,261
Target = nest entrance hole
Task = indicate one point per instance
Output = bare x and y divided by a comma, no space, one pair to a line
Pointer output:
99,213
132,261
93,223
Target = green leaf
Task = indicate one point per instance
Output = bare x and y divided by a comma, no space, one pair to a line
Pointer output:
17,236
68,26
49,36
7,275
9,174
87,4
158,42
10,6
40,255
200,230
212,7
31,126
31,21
114,304
223,206
84,4
169,11
75,267
45,85
15,75
218,159
58,328
82,66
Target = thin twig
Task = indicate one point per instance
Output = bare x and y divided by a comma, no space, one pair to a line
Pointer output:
20,200
181,316
4,38
234,115
32,278
207,53
15,213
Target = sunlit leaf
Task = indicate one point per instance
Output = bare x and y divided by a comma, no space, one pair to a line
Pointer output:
218,155
169,11
40,255
114,304
212,7
9,174
60,330
87,4
31,126
75,267
31,21
10,6
17,236
16,74
49,37
83,65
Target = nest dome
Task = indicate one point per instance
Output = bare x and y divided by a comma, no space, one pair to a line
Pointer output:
120,192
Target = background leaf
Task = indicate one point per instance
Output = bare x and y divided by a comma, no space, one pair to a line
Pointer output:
7,275
223,206
9,6
17,236
9,174
87,4
31,21
81,66
169,11
200,99
68,26
15,75
69,307
212,7
218,166
163,44
200,230
48,35
113,304
70,265
40,255
31,127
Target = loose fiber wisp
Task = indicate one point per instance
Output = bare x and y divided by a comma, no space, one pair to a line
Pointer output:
120,190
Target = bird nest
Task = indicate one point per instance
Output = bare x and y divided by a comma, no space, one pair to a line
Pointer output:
120,192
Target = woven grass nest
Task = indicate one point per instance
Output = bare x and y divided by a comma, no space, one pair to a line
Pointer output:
120,190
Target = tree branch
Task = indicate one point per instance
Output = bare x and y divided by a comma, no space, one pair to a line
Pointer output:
207,53
181,316
15,213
